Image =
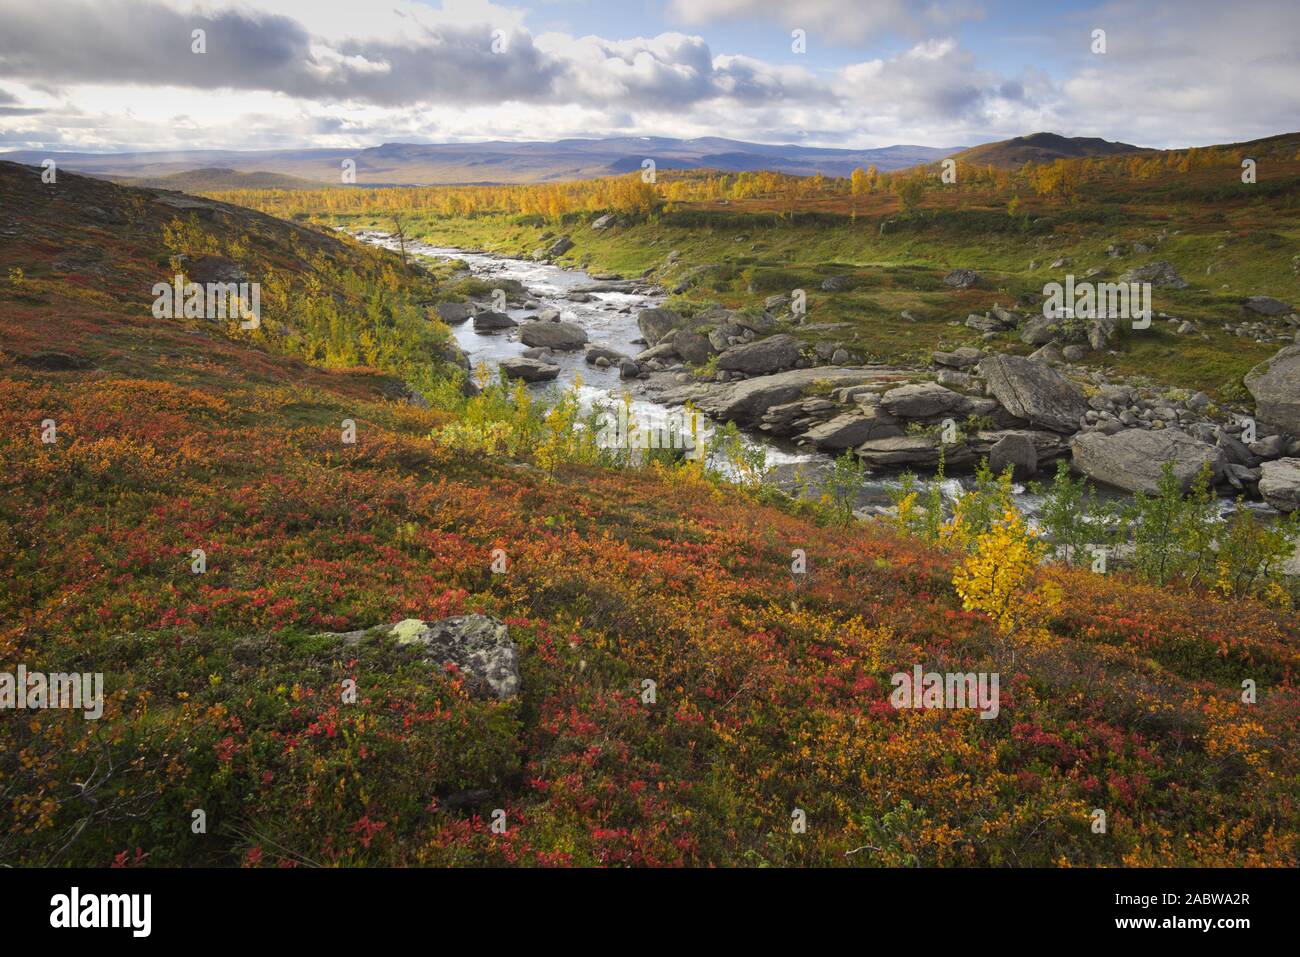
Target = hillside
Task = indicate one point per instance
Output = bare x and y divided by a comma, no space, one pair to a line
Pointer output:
491,162
1041,148
773,688
213,179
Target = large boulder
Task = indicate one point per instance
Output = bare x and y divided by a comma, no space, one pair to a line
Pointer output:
761,357
1267,306
1275,384
1035,392
479,647
530,370
553,335
490,321
657,323
453,313
560,247
1134,458
1016,451
1279,484
694,347
924,400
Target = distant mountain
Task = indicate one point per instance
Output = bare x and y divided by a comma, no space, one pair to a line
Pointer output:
494,162
212,179
1040,148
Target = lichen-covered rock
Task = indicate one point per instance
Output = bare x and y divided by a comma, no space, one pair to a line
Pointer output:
479,647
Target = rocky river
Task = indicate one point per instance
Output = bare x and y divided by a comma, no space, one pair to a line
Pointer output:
549,324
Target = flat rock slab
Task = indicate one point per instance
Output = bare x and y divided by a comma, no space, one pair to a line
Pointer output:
1134,458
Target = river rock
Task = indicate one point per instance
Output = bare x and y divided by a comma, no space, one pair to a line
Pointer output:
489,321
1017,451
553,335
851,429
657,323
560,247
1279,484
1275,384
914,451
762,357
923,400
1034,391
454,313
1133,459
745,402
530,370
604,352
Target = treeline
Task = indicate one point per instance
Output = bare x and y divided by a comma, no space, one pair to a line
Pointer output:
1064,181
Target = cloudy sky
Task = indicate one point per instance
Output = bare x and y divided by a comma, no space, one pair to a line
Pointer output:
108,75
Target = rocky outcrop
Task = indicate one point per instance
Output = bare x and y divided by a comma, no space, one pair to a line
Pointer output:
1035,392
1275,384
1133,459
694,347
747,401
1279,484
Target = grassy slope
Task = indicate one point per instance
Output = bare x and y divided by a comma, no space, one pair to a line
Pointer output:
772,691
1247,237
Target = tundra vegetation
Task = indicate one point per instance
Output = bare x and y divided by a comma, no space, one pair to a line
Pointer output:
1162,693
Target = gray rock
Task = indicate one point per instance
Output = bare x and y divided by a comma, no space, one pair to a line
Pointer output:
627,369
1158,273
1275,384
563,336
1017,451
762,357
657,323
924,400
914,451
489,321
1133,459
1075,353
560,247
454,313
693,347
1035,392
604,222
1267,306
1279,483
604,352
530,370
479,647
836,284
961,278
962,358
852,429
